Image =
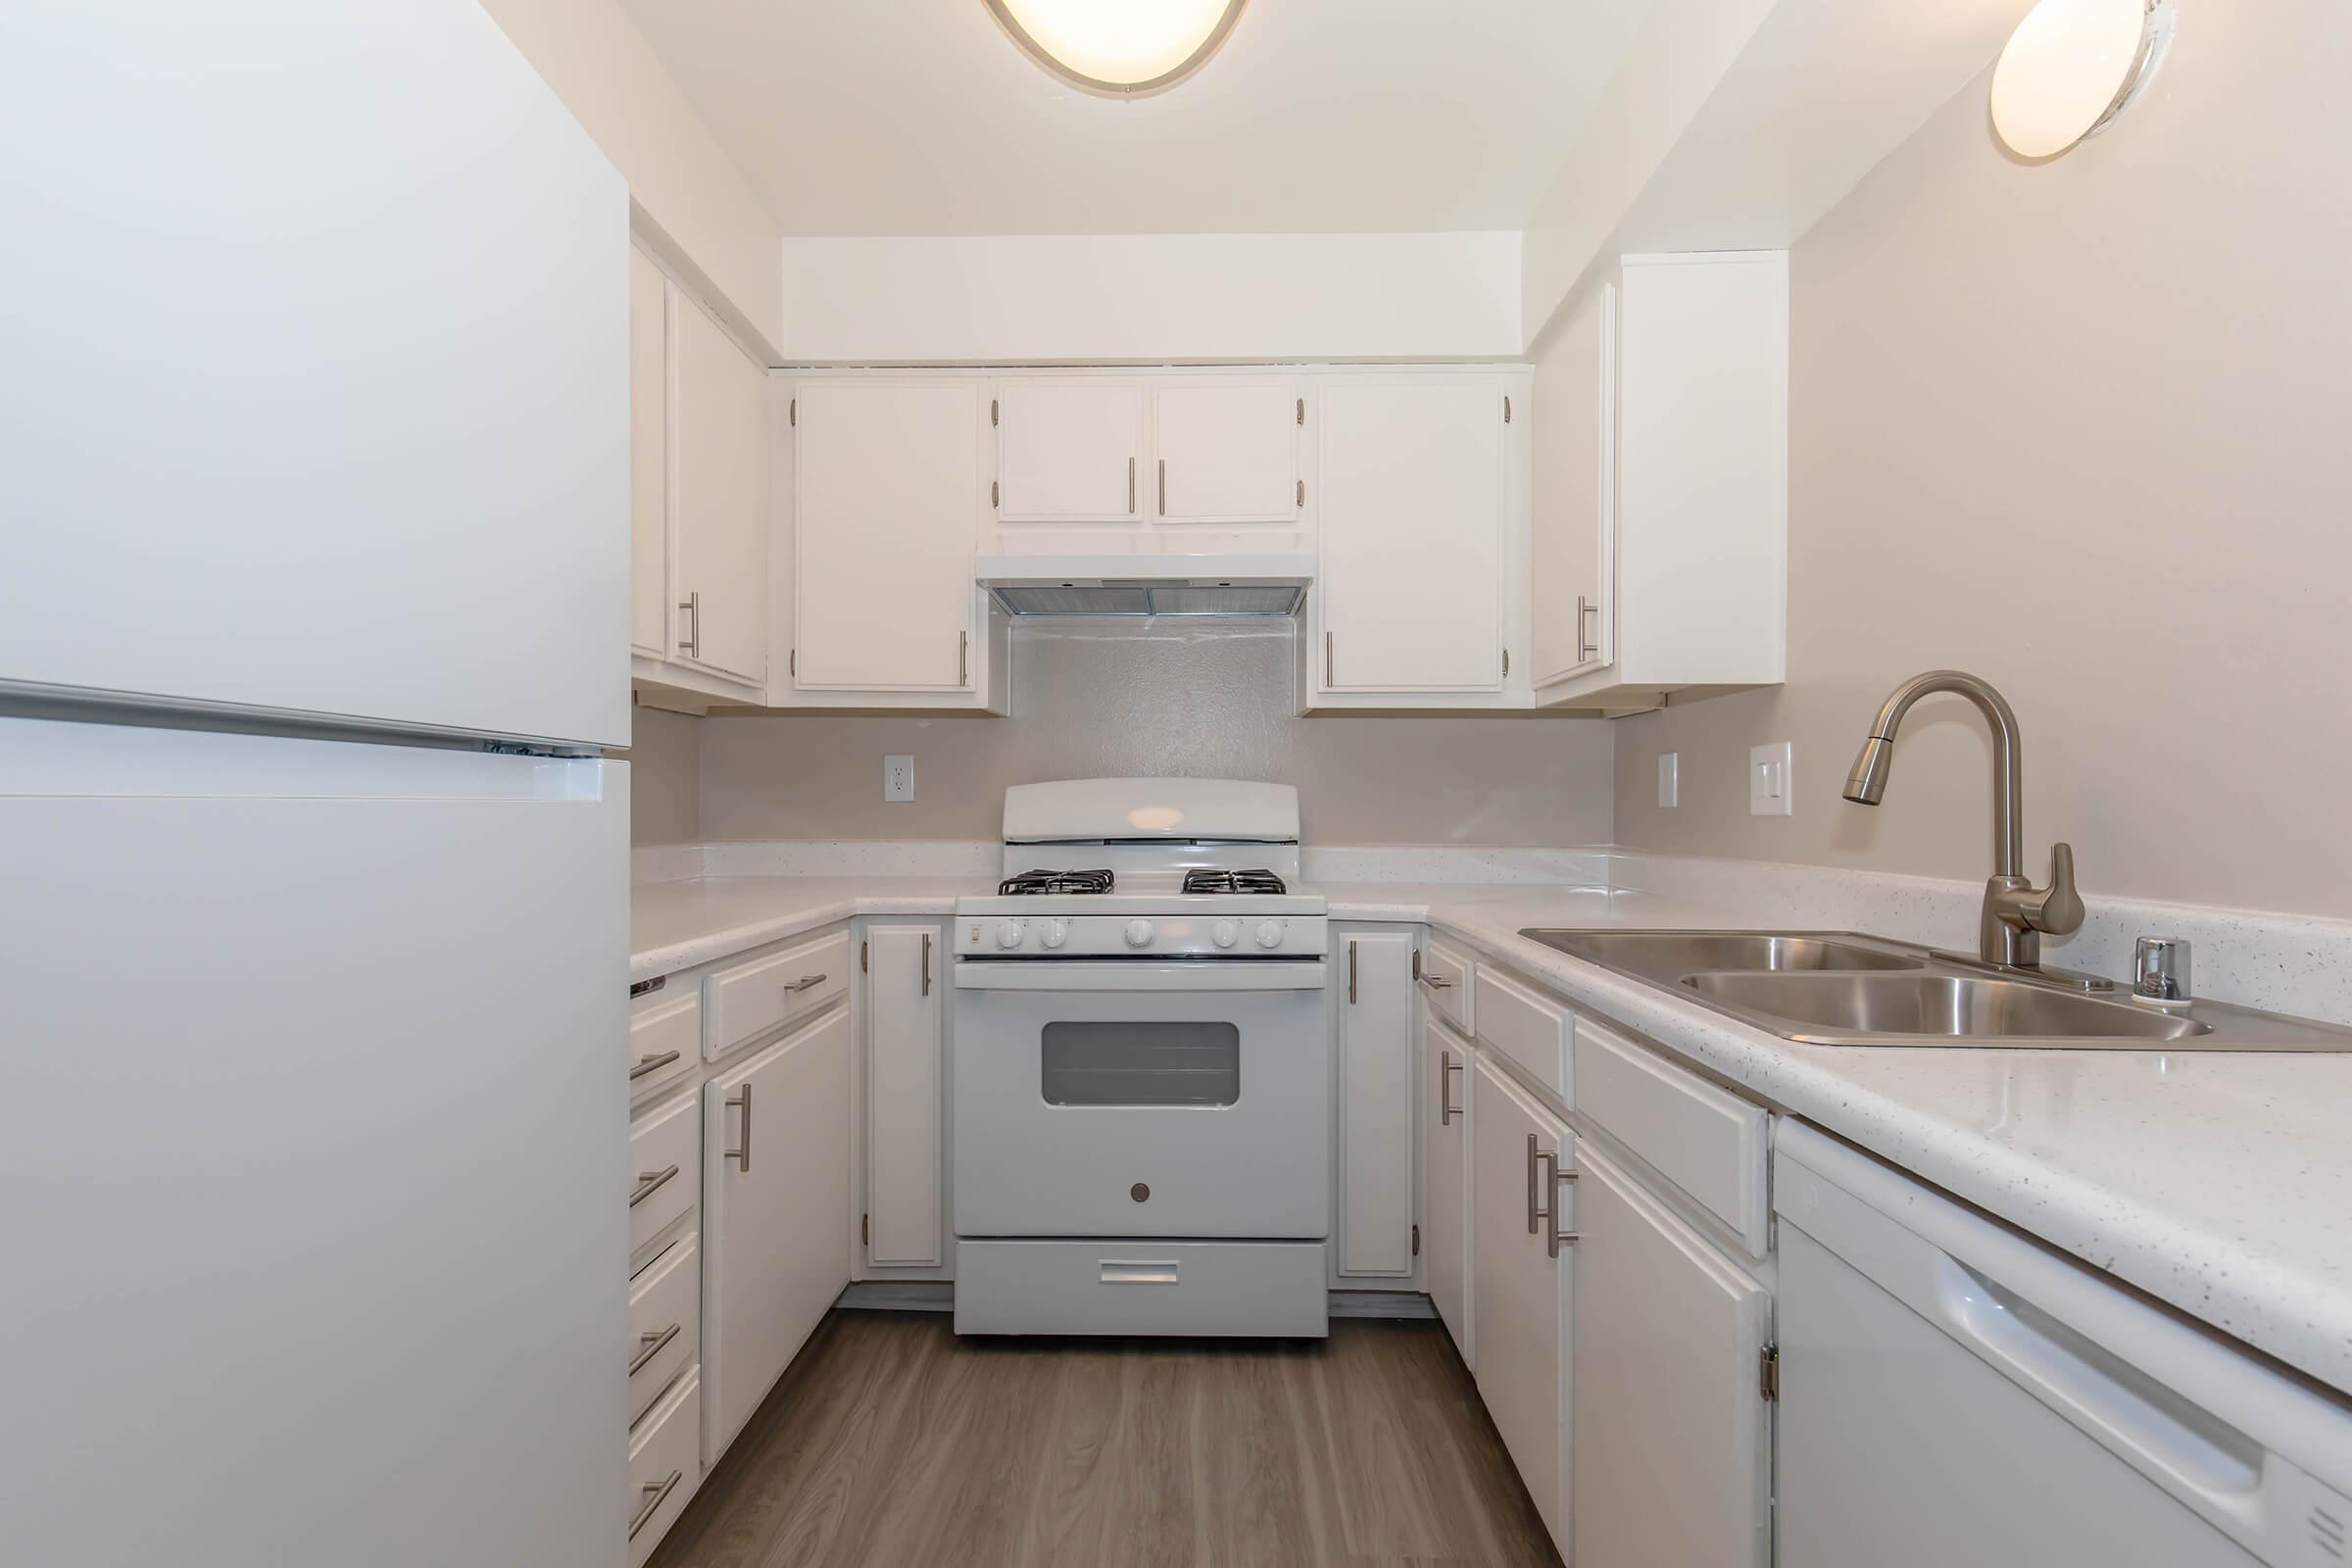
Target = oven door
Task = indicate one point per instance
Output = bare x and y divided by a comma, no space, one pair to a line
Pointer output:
1128,1098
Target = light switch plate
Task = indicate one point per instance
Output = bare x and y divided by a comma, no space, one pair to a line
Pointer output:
1771,787
898,778
1670,780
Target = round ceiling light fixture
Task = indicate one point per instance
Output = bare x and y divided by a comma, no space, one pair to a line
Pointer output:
2070,68
1119,48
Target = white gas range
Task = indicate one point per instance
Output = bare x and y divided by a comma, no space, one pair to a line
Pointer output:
1143,1067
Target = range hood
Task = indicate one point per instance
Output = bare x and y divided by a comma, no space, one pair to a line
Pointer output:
1257,584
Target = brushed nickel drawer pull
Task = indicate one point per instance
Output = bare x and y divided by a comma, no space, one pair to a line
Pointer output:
741,1101
1447,1068
650,1183
654,1344
806,981
1535,1210
661,1490
1437,982
646,1064
926,963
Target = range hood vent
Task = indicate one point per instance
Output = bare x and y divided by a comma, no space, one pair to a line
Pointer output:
1261,585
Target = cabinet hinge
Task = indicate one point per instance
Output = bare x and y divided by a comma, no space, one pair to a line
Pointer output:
991,412
866,1230
1416,1240
1507,407
1768,1372
796,412
865,958
1303,411
1302,492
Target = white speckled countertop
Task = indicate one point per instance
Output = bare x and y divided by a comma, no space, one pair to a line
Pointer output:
2219,1183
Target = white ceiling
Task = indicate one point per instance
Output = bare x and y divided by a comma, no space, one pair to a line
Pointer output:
919,116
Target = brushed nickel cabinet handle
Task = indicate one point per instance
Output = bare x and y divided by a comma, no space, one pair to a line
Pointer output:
1131,484
1302,492
1351,974
806,981
1535,1209
692,642
963,658
741,1101
1437,982
1585,651
651,1182
1327,658
646,1064
926,990
661,1490
652,1344
1447,1068
1553,1237
1163,487
1507,663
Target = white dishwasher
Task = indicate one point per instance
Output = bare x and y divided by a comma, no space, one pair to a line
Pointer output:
1954,1395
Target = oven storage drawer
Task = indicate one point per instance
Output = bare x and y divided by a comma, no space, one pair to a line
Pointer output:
1272,1289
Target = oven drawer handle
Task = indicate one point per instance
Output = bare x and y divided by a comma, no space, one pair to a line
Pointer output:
1139,1271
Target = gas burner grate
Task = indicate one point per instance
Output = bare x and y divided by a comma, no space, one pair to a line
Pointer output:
1212,881
1041,882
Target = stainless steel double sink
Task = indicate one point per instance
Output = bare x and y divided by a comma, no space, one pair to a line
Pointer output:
1844,989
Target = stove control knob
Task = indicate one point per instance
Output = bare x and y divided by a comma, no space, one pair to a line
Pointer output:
1269,935
1226,934
1008,933
1138,933
1054,934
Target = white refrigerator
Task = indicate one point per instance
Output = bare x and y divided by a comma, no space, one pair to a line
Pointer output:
314,878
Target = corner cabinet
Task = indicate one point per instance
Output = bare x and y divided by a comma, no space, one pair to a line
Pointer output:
1419,600
878,606
1659,556
697,500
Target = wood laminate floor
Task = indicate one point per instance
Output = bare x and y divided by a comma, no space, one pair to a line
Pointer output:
892,1443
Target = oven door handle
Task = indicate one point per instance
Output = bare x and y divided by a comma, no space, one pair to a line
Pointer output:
1099,976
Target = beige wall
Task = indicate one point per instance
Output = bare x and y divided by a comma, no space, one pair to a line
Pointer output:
616,87
2082,428
1108,699
666,778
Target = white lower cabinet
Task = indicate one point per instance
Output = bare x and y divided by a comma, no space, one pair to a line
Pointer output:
1375,1053
776,1139
904,987
665,1465
1446,1137
1670,1426
1521,1289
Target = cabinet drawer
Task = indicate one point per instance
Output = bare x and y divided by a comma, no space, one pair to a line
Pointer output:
1271,1288
666,1035
665,1465
1709,1143
1446,974
1528,1027
754,999
665,1321
665,1170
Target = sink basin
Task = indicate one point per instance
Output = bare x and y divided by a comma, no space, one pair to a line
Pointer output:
1678,953
1938,1005
1843,988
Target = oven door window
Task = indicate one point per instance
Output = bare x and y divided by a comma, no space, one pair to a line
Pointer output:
1133,1062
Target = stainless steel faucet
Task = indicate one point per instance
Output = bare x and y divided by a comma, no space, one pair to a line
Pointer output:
2015,913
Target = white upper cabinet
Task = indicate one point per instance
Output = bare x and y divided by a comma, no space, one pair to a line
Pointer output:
1414,542
1227,450
648,456
316,347
719,498
1692,565
885,476
1069,450
1575,491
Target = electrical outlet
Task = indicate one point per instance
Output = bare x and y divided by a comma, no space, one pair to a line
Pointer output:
1771,786
1670,778
898,778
